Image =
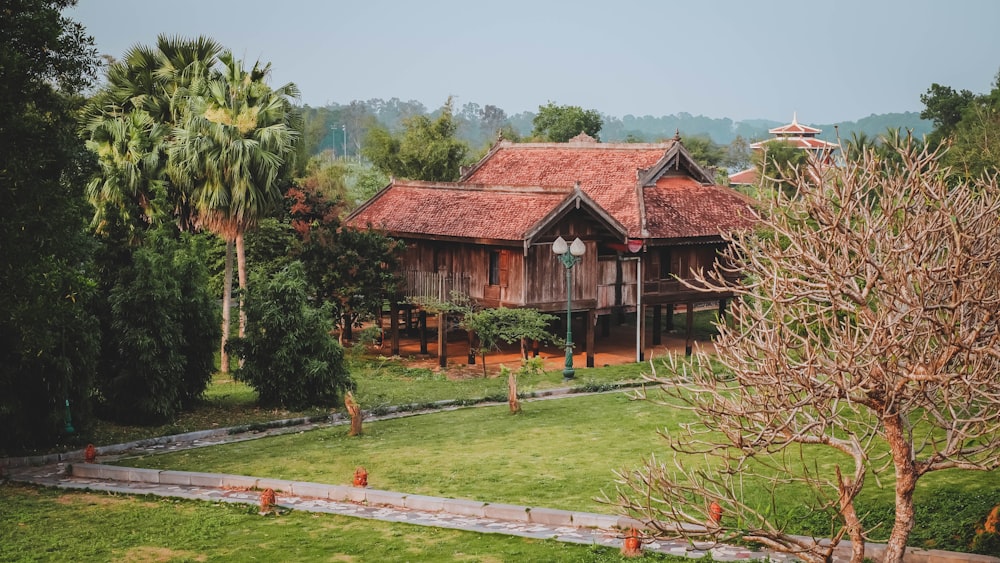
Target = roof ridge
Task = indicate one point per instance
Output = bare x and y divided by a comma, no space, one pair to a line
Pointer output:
469,186
591,146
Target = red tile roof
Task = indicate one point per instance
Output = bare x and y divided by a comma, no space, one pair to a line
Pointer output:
607,172
679,207
744,177
799,142
794,128
508,194
458,210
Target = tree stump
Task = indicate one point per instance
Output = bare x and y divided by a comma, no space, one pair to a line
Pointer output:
512,400
353,409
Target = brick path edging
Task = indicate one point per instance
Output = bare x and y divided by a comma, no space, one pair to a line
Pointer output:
361,495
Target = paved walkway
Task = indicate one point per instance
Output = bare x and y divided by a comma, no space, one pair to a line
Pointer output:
591,529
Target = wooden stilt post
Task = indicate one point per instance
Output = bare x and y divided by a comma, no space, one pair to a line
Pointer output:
472,348
591,330
347,330
408,311
670,317
657,309
443,339
689,345
422,316
394,321
644,334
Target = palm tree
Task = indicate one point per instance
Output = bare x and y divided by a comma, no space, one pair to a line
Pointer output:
130,125
235,146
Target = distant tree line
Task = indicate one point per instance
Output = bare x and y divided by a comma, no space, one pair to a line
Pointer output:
478,126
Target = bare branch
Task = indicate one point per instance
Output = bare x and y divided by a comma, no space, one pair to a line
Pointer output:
865,323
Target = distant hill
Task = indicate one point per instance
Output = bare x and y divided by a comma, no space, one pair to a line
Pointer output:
723,130
330,126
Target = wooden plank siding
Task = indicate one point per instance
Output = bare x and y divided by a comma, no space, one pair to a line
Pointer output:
664,267
538,280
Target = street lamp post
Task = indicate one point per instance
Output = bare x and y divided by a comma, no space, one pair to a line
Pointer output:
569,255
68,420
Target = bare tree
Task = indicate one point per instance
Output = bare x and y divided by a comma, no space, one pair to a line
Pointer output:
866,327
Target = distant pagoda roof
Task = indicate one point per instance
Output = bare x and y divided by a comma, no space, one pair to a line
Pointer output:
795,129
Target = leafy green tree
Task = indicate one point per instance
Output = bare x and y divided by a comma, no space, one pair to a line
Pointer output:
236,145
48,333
426,150
737,155
288,355
352,270
858,145
503,325
882,148
780,161
159,326
558,124
704,151
198,314
363,182
975,150
272,244
970,124
493,122
944,107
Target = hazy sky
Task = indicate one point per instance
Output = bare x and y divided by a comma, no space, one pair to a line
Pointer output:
827,61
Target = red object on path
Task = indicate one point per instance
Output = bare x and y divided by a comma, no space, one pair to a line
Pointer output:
715,513
360,477
90,454
632,546
267,501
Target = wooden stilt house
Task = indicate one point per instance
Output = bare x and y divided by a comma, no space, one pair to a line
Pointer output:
647,214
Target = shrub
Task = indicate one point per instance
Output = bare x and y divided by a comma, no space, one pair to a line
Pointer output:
288,354
159,330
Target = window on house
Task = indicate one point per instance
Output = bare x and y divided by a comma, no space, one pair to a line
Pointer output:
494,267
499,263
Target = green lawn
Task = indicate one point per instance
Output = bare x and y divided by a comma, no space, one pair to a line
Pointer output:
381,383
557,454
53,525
